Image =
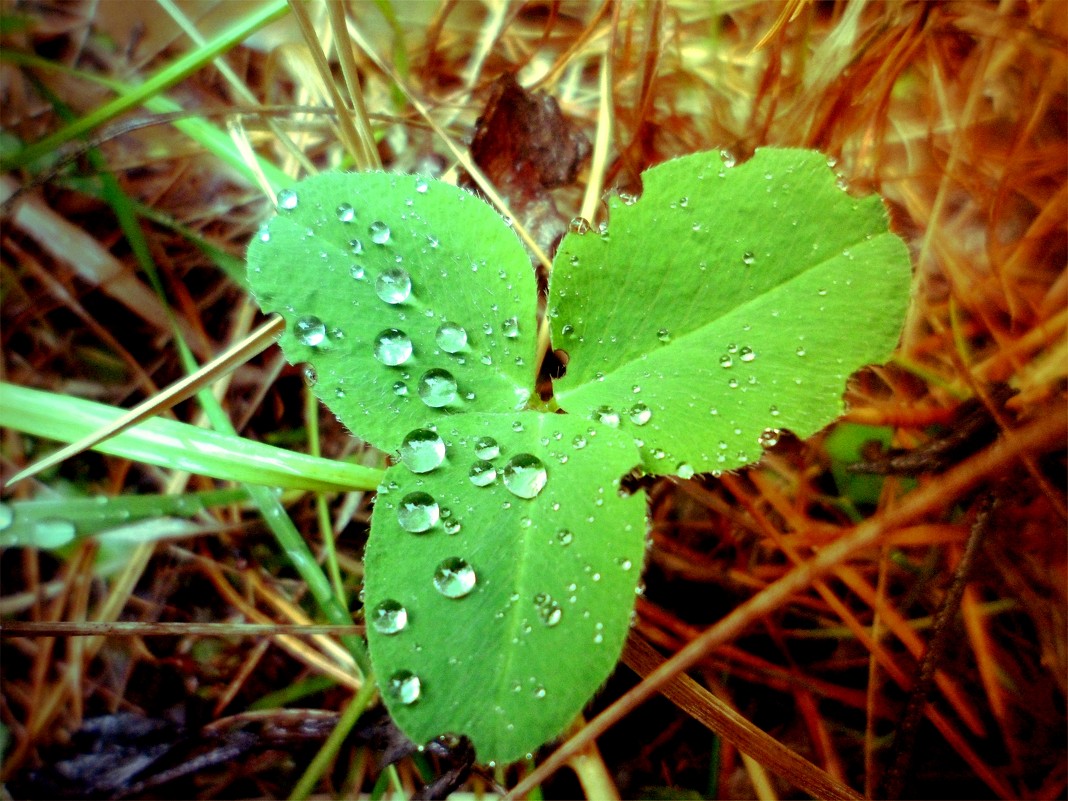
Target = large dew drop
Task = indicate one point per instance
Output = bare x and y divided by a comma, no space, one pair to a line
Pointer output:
451,337
422,450
404,686
640,414
418,512
482,473
454,578
389,617
394,285
310,330
487,448
379,232
525,475
437,388
392,347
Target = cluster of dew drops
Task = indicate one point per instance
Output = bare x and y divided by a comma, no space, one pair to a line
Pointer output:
422,451
437,387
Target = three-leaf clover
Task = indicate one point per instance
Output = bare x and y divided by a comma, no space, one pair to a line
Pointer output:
503,560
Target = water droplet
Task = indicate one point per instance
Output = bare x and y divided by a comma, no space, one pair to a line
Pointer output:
663,335
345,213
418,512
773,411
517,426
7,516
422,450
311,378
389,617
800,350
482,473
607,416
392,347
725,361
400,388
421,186
287,199
437,388
379,232
640,414
357,272
264,234
451,337
310,330
355,247
454,578
549,611
394,285
748,258
404,686
733,383
728,158
52,532
685,470
628,198
769,437
746,354
624,564
564,537
452,527
510,327
579,442
487,448
579,226
525,475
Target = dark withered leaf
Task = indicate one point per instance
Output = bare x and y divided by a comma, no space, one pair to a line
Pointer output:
526,146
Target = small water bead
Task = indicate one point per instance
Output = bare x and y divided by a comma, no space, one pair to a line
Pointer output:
421,186
663,335
800,350
769,437
309,330
357,272
7,516
379,232
437,388
549,611
525,475
287,199
418,512
454,578
392,347
579,442
404,686
400,389
517,426
725,361
487,448
451,338
564,537
52,532
452,527
773,411
748,258
733,383
345,213
389,617
355,247
746,354
482,473
394,285
624,564
422,450
264,234
311,377
640,414
607,416
510,327
579,226
685,470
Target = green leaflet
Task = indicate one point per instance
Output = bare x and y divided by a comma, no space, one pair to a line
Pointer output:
545,602
723,305
376,276
724,302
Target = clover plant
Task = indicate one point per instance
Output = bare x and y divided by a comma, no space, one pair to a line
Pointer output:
727,303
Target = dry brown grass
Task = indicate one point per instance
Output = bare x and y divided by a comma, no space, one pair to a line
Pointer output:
957,113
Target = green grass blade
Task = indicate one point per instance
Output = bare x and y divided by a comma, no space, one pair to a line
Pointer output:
166,77
178,446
